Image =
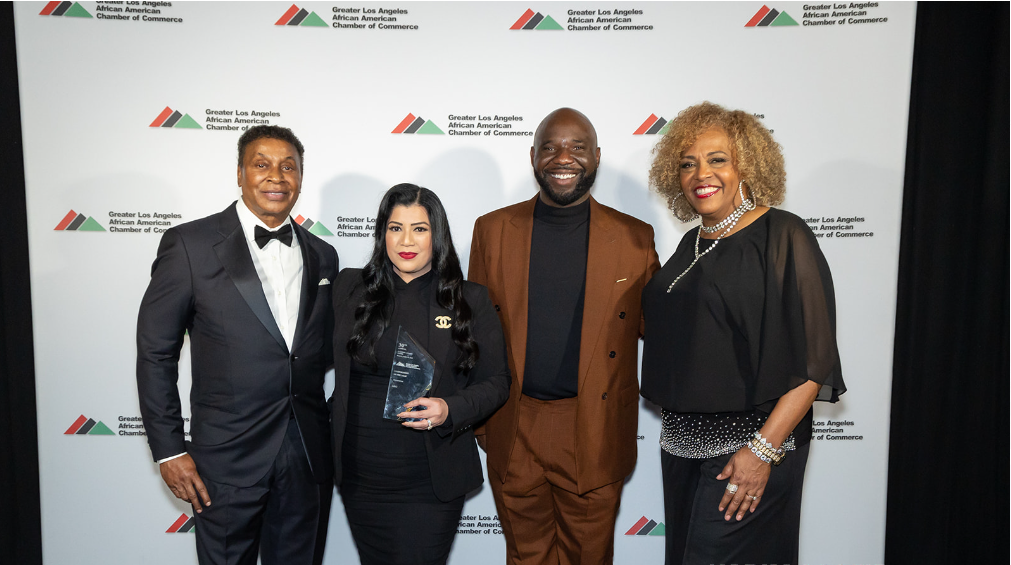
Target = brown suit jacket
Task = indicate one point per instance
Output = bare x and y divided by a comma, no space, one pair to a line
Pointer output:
621,259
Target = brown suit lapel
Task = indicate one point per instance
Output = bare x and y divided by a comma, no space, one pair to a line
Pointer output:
601,266
516,255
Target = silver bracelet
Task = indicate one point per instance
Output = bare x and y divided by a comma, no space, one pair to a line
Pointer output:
771,453
758,452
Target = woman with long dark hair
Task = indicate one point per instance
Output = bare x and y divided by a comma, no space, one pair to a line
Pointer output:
403,481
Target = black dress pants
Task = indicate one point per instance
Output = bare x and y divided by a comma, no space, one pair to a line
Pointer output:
283,517
697,534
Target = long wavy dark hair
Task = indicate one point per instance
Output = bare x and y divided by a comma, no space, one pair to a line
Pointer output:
372,315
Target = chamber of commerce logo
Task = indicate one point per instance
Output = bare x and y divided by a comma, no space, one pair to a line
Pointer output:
68,9
770,17
87,426
646,527
652,126
78,222
412,124
315,228
530,20
296,16
183,525
170,118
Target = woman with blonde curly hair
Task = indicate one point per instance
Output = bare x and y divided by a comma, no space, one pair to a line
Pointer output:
739,342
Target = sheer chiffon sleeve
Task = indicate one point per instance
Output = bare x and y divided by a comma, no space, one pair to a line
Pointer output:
799,322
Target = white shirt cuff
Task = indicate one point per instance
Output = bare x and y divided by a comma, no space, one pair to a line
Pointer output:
160,461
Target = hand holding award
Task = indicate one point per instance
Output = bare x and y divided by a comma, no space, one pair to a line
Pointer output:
410,379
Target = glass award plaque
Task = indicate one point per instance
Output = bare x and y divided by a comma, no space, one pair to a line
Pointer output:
410,376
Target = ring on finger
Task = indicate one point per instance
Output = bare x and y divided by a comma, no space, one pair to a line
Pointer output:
751,497
732,488
429,424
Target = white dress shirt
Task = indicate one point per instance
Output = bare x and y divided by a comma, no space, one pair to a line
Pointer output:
280,270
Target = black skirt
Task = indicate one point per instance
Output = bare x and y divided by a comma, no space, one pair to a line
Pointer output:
394,515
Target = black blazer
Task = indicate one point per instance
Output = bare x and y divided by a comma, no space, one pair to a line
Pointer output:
452,452
246,383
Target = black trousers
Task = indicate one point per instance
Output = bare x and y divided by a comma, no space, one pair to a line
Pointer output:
283,517
697,534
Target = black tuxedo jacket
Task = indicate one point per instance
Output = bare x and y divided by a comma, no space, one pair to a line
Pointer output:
246,383
452,452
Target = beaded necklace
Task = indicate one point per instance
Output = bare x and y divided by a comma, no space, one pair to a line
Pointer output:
729,222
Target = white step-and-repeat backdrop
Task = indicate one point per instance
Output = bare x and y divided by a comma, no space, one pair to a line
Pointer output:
131,111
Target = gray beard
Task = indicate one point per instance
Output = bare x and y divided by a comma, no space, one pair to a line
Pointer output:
582,187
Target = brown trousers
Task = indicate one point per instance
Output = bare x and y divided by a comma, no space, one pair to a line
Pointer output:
544,520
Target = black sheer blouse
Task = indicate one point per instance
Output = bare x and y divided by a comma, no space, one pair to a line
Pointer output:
752,320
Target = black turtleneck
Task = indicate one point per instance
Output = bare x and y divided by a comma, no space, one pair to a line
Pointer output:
556,288
411,302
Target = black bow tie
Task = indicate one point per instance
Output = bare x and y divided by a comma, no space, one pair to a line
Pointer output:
263,237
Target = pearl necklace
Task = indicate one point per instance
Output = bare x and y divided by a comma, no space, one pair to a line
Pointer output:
732,219
749,204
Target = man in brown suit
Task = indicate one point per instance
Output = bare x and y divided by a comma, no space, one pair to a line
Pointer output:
565,274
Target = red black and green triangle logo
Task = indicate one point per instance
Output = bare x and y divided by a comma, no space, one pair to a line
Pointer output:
183,525
770,17
296,16
68,9
412,124
170,118
646,527
652,126
538,21
78,222
315,228
86,426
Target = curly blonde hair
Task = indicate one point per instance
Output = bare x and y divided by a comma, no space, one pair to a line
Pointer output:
756,156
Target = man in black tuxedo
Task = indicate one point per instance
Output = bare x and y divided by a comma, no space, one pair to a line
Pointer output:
252,289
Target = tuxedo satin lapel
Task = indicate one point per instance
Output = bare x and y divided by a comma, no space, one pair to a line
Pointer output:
516,272
601,266
310,280
441,345
233,252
